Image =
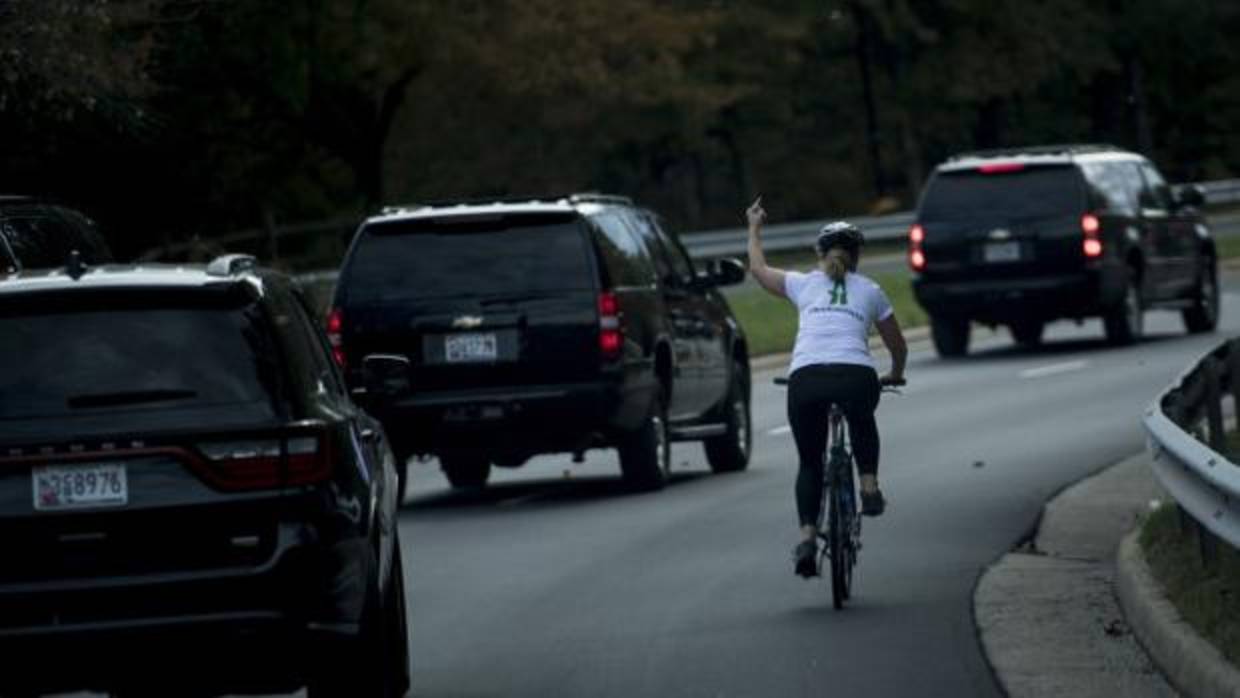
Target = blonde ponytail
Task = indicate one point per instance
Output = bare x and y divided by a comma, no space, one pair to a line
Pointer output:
837,263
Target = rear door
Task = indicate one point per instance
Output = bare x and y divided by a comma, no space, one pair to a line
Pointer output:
474,301
1174,233
1003,220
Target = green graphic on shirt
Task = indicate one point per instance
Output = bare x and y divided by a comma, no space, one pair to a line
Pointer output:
839,294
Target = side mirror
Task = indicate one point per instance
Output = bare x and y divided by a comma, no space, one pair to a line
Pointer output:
724,272
386,375
1190,195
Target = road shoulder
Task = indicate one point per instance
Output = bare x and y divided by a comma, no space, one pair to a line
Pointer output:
1047,613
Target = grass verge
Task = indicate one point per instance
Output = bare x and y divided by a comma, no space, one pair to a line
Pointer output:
1207,597
771,323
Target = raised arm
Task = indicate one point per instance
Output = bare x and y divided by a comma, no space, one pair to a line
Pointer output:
767,277
893,339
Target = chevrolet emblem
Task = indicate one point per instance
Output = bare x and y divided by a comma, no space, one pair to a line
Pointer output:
467,322
1000,234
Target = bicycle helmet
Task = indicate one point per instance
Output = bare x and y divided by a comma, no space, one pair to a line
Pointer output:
839,234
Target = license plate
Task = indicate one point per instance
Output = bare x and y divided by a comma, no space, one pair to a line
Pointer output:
1002,252
60,487
463,348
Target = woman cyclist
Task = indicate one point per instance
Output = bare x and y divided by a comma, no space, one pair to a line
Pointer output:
831,364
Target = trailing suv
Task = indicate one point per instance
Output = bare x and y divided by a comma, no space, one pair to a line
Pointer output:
541,326
189,500
1023,237
36,234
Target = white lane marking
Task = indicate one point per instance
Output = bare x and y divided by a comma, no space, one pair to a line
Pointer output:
780,431
1054,369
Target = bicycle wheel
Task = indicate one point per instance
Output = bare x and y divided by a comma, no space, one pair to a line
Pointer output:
837,535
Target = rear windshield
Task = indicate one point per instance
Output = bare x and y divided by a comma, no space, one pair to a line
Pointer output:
499,255
63,361
1031,192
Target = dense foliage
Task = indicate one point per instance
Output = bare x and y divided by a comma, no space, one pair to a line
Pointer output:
171,118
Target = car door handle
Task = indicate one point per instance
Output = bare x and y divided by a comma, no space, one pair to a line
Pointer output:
369,434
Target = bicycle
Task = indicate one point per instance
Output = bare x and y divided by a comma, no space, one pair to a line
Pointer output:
841,536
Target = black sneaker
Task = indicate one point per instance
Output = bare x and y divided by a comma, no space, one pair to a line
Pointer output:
872,503
806,556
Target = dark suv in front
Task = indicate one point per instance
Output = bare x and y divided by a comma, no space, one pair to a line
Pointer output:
189,501
1023,237
539,326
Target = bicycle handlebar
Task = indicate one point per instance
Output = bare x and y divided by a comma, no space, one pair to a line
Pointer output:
885,386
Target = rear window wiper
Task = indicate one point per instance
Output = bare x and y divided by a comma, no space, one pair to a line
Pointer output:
131,397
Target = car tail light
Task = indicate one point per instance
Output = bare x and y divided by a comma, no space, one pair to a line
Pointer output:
916,255
1091,227
610,336
267,462
1001,167
335,335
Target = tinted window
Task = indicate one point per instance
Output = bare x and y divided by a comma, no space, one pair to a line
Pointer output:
452,257
669,261
73,361
1031,192
1155,193
30,235
622,252
1112,186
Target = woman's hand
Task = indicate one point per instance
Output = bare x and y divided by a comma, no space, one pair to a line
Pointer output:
892,380
755,214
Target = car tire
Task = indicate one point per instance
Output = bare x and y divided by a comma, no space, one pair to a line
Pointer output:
1203,315
465,471
368,665
1125,322
729,453
950,335
646,452
1027,333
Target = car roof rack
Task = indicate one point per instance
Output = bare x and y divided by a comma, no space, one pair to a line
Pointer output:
229,264
1039,150
572,198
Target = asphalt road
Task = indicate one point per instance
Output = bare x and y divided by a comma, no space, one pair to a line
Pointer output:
554,581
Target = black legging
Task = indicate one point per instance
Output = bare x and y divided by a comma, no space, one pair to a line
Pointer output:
811,392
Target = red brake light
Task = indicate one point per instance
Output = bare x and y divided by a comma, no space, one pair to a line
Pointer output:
268,462
335,337
1093,247
917,260
1001,167
610,335
1090,224
917,234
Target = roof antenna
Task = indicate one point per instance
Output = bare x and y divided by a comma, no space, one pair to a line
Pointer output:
75,268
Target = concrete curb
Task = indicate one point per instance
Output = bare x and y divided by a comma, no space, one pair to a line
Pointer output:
1191,663
770,361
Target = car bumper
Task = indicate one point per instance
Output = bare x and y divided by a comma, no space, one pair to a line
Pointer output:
1082,294
523,420
250,628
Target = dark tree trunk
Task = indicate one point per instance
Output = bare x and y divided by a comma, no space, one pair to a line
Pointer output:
865,34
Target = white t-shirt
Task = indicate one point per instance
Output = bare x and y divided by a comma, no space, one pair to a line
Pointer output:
835,319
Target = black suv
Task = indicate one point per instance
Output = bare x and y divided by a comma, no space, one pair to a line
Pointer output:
187,493
36,234
516,328
1023,237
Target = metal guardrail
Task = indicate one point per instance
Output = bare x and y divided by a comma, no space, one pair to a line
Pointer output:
289,243
1188,443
